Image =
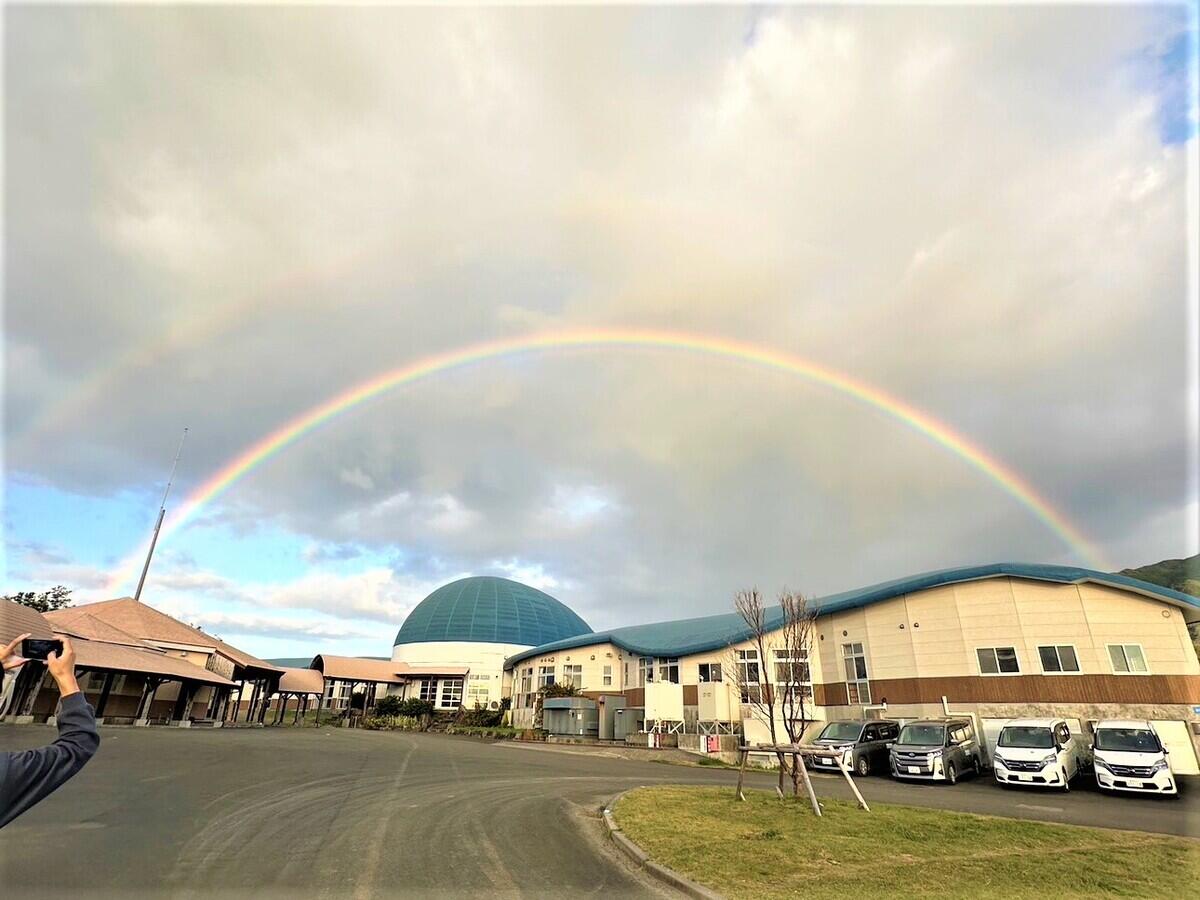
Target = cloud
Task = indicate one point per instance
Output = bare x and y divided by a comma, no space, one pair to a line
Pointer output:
974,209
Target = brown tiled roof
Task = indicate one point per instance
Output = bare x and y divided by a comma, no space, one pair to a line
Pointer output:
16,619
147,623
302,681
119,657
351,668
90,628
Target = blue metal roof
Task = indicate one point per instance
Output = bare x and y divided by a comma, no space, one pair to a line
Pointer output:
686,636
490,610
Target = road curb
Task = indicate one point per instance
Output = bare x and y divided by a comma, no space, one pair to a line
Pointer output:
642,859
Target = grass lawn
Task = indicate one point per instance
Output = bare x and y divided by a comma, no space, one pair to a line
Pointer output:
772,848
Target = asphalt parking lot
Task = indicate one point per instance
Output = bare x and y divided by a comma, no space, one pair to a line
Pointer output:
325,813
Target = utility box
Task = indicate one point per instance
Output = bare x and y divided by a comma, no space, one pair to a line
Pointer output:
570,716
608,707
627,721
715,703
664,700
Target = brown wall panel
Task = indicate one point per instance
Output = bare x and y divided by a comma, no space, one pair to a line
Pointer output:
1183,689
691,694
635,696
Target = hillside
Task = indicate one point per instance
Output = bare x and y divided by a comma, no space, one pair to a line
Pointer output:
1177,574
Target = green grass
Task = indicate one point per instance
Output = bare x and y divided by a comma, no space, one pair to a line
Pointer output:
768,848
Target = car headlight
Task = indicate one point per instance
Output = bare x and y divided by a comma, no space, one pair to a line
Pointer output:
1101,764
999,760
1160,766
1048,759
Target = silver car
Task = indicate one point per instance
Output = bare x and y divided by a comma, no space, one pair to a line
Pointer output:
862,744
936,750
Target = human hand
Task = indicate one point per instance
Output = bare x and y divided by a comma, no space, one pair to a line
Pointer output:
9,657
62,667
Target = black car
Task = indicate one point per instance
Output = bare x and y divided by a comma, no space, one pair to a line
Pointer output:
862,743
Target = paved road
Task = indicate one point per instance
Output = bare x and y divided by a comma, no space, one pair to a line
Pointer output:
323,813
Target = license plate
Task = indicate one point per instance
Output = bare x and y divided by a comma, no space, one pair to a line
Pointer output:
1136,784
916,770
826,761
1025,777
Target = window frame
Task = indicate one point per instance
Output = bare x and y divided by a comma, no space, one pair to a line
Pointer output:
705,671
573,674
543,673
1141,651
1078,670
996,657
645,670
606,676
858,688
668,669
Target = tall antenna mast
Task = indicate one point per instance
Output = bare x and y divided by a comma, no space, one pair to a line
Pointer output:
162,512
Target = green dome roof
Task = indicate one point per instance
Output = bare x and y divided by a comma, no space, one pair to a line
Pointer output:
490,610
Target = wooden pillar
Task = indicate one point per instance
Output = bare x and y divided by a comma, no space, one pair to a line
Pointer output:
104,692
253,703
183,703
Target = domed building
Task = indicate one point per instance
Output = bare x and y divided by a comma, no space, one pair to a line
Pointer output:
475,624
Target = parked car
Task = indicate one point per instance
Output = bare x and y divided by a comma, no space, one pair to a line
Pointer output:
861,743
1038,752
936,750
1128,756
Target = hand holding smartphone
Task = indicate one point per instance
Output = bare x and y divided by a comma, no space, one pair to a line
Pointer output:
40,648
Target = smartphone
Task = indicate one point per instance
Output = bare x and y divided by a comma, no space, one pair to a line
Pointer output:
40,648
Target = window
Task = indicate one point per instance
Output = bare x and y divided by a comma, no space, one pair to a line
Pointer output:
871,733
452,693
1058,658
1127,659
645,670
477,695
858,688
545,676
998,661
710,672
748,674
428,689
573,675
1062,734
792,669
525,694
668,670
607,676
889,731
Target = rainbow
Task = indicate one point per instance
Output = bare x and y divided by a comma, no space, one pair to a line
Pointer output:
595,338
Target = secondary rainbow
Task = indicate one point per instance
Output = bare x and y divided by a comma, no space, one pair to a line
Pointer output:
594,338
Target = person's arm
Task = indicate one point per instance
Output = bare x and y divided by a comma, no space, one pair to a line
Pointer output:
29,776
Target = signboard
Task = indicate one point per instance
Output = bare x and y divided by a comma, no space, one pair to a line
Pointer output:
712,743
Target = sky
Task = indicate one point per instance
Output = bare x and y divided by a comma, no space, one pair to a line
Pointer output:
220,218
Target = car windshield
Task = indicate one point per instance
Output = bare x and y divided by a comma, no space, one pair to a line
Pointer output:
1129,740
841,731
923,734
1034,736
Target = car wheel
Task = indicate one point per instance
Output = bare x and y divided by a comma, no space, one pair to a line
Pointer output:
863,767
951,774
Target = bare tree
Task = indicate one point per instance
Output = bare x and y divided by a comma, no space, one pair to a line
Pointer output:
793,678
772,675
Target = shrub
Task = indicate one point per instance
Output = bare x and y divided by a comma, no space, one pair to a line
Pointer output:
559,690
415,707
390,706
479,717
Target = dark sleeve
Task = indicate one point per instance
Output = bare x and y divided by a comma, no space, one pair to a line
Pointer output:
29,776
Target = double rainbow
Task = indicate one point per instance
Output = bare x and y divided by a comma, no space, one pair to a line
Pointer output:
595,338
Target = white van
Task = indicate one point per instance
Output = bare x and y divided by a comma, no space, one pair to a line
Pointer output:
1038,752
1129,757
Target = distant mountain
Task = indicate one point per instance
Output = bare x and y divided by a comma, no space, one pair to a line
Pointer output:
292,662
1177,574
